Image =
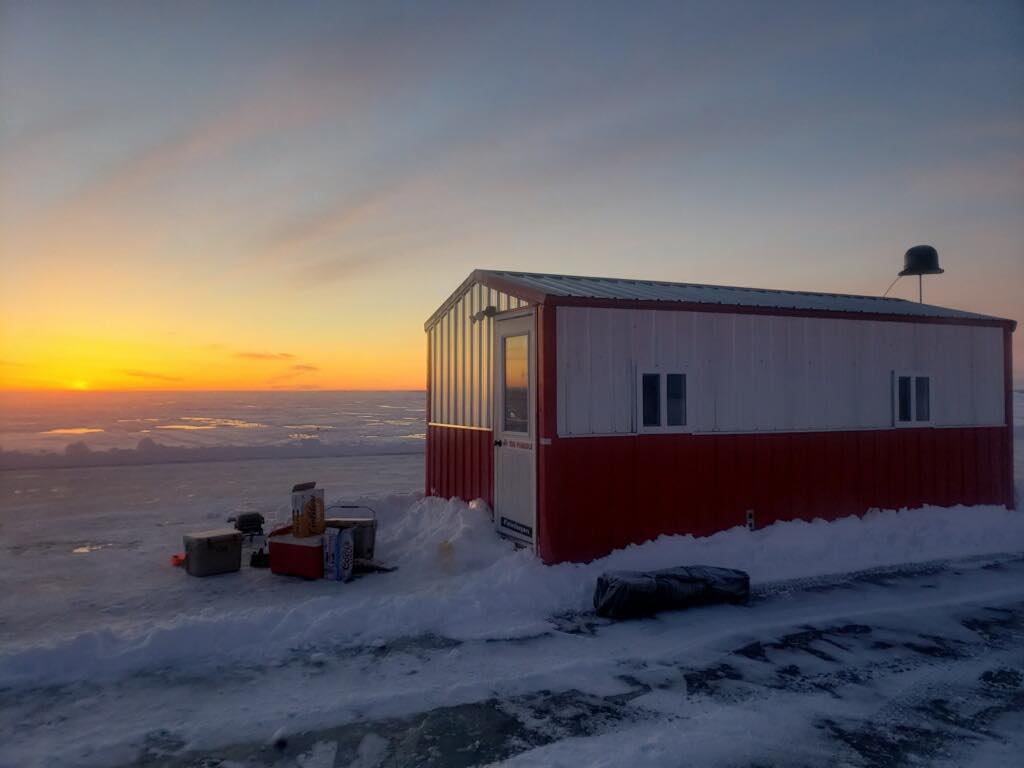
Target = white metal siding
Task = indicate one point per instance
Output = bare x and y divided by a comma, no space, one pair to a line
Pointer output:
754,373
460,359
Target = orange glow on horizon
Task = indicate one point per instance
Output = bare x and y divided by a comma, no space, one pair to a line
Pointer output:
52,376
98,367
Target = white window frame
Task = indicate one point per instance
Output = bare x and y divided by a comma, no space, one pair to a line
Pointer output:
913,376
638,411
498,385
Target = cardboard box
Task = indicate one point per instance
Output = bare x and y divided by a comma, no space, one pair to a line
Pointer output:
307,512
339,554
364,533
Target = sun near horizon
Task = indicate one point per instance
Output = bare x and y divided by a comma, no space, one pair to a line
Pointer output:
284,205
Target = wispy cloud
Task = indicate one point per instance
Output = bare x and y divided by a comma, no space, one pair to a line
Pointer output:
265,355
135,373
294,372
205,137
296,386
309,227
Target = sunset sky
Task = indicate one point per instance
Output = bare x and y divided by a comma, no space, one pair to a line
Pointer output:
276,195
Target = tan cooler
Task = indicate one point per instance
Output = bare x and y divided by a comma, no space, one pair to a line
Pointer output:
211,552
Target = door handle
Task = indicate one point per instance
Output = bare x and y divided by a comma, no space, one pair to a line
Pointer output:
497,443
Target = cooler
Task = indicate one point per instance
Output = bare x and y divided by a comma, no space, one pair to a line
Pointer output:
211,552
293,556
364,531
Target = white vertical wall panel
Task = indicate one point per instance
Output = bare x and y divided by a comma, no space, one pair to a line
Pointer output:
763,373
600,332
578,364
620,370
460,358
986,378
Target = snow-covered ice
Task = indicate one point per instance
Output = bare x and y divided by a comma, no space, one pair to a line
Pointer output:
74,429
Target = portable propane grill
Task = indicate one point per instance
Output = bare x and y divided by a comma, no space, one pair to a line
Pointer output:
250,525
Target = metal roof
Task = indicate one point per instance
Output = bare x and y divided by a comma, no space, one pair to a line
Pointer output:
532,285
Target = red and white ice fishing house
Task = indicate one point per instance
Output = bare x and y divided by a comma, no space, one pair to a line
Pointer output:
591,413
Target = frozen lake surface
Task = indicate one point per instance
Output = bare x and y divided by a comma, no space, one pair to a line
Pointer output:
893,639
68,429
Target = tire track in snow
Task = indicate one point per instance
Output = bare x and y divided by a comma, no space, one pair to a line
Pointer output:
883,667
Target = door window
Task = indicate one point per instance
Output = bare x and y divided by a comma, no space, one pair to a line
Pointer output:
517,383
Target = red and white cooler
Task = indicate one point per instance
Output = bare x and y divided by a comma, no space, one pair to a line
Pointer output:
292,556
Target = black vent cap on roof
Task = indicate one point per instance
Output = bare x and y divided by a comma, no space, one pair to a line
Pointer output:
921,260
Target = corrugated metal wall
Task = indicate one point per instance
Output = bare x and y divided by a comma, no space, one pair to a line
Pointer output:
604,493
460,359
460,463
459,437
761,373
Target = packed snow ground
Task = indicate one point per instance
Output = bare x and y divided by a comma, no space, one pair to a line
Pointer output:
902,666
107,603
113,657
473,652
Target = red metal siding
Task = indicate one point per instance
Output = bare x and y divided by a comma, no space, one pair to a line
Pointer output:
601,493
459,462
1008,413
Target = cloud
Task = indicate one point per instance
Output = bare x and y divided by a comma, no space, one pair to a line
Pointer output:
334,270
265,355
150,375
308,227
294,372
296,386
205,136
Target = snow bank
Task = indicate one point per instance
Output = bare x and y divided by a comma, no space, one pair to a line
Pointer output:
457,579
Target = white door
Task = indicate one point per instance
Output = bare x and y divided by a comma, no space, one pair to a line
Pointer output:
515,429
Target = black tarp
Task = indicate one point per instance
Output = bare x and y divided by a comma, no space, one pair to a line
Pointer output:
631,594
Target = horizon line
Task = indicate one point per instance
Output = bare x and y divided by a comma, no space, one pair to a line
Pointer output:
69,390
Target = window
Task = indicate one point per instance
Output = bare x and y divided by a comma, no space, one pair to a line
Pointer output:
661,403
652,400
912,400
516,385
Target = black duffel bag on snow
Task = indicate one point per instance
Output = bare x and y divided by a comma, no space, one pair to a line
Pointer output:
632,594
